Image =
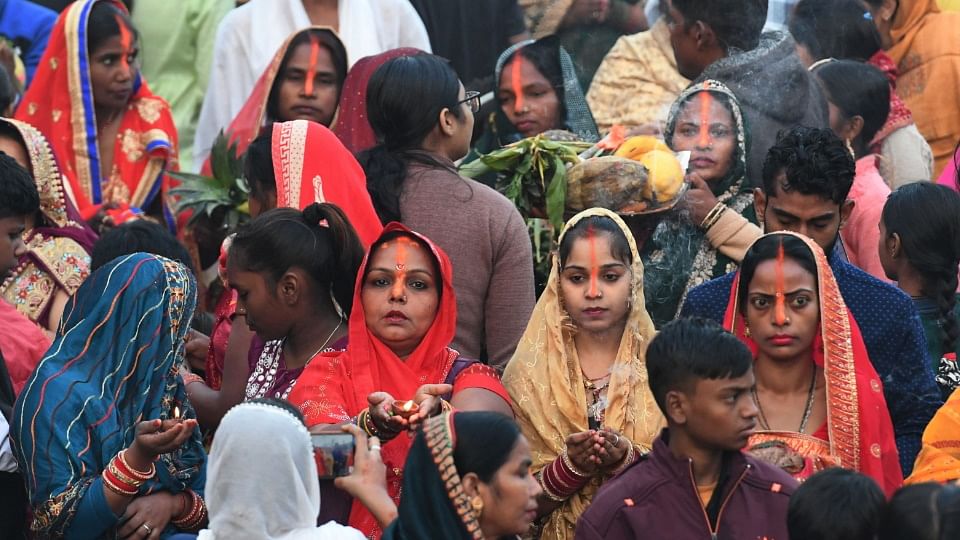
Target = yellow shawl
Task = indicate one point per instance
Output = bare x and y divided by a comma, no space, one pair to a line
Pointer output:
939,458
926,48
545,382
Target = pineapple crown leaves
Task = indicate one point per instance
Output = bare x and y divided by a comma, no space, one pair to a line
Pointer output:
225,189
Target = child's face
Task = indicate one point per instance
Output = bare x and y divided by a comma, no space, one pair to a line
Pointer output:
11,243
720,414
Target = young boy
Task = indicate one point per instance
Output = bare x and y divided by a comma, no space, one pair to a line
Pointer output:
21,342
696,483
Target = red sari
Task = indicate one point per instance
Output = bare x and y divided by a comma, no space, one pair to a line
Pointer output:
333,388
59,103
253,116
858,434
310,165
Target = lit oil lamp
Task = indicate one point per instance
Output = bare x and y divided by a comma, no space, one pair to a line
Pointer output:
405,409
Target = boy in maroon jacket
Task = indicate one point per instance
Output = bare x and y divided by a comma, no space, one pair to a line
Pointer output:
696,483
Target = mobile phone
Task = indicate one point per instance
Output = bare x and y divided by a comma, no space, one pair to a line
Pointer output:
333,453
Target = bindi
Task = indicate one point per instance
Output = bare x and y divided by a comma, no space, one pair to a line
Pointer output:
706,103
516,81
126,41
312,67
594,267
779,307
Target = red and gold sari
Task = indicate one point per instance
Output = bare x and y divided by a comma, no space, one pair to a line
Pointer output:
310,165
858,434
57,257
60,104
334,387
253,116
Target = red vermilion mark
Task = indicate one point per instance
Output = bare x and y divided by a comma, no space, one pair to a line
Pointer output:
779,309
312,68
126,41
403,244
706,103
517,82
594,267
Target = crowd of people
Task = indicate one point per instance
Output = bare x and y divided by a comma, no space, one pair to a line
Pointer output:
229,230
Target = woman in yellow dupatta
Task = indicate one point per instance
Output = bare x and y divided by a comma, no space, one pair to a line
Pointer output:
925,44
939,457
577,378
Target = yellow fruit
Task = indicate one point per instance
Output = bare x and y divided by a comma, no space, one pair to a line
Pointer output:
664,174
635,147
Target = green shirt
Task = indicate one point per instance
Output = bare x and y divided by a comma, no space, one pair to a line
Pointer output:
176,48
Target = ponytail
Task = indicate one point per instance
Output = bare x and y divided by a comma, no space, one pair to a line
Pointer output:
320,240
385,171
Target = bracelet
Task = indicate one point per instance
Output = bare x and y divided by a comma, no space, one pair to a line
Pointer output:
191,378
195,516
627,460
558,483
366,423
546,489
118,486
121,462
445,406
713,216
565,459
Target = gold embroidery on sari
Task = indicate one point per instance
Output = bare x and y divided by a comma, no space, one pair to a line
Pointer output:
149,109
132,145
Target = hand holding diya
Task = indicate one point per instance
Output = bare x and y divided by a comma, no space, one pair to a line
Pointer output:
405,409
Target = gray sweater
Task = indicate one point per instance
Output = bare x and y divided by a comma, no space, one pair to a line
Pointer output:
487,242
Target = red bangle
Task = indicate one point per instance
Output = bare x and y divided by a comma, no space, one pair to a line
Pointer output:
121,462
117,485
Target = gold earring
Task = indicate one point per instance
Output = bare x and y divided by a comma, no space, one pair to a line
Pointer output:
850,149
746,331
477,504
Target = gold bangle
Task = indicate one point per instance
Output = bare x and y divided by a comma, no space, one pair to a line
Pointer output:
713,216
568,463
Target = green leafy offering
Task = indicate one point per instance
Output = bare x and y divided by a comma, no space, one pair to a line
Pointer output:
532,173
204,195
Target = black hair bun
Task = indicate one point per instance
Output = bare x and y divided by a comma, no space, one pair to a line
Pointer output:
313,214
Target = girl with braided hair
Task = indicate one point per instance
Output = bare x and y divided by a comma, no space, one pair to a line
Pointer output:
920,248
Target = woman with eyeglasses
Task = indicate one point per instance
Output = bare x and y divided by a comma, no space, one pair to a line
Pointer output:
423,121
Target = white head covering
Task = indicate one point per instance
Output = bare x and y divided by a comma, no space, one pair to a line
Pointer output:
262,480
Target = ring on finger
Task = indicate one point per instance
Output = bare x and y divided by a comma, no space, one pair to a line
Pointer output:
616,441
375,448
148,528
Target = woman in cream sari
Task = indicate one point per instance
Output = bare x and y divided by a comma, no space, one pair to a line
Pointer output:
577,379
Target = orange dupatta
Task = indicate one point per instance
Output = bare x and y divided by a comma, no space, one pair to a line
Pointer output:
926,48
939,458
334,387
252,118
859,428
59,103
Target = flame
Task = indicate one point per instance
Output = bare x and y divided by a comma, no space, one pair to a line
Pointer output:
408,406
176,411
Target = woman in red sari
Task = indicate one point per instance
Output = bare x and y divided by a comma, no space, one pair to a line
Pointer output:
811,366
113,137
302,82
403,319
291,165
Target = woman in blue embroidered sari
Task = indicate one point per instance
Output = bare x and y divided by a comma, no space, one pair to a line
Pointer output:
103,432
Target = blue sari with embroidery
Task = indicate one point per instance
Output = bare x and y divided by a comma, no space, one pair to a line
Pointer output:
115,362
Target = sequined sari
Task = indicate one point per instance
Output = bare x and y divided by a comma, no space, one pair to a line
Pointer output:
57,257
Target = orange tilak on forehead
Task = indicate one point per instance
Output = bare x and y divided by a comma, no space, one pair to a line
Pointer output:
312,68
516,81
126,41
779,308
594,266
706,103
403,244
